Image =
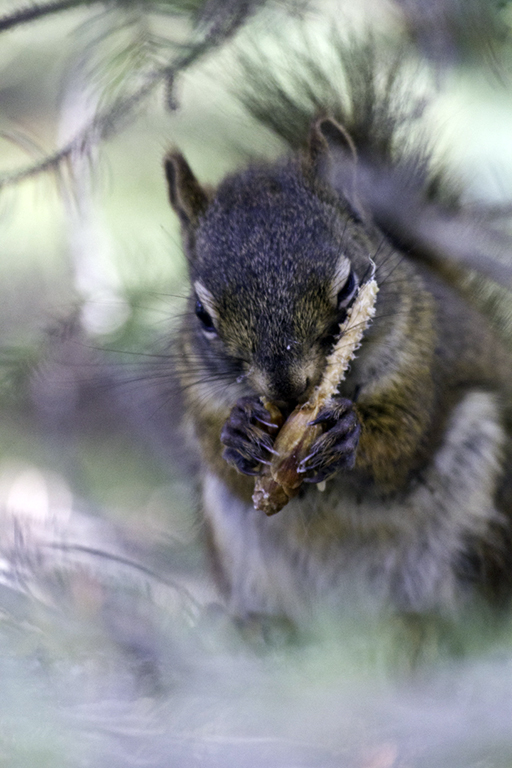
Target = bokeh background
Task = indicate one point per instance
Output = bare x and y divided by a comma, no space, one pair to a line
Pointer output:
114,648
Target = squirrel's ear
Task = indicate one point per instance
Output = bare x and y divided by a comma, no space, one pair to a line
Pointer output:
333,155
328,138
336,138
186,195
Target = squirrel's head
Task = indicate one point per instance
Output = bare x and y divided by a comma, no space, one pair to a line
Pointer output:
274,261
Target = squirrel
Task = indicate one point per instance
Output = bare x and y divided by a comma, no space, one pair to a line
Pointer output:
416,444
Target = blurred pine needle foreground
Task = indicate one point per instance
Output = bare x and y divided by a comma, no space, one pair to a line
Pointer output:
115,648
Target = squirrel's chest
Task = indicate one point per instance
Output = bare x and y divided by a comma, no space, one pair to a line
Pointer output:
401,550
326,546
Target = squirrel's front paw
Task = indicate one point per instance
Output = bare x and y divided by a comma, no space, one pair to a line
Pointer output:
248,436
336,448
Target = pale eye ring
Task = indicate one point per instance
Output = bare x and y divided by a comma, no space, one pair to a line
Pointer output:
347,293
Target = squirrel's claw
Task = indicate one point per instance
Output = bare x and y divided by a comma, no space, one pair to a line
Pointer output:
247,444
332,413
247,466
336,448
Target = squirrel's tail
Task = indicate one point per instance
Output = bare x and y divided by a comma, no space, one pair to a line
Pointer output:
373,94
357,83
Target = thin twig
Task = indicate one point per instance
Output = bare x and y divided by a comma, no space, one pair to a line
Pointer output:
104,125
34,12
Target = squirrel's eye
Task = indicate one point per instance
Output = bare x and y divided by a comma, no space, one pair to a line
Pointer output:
204,318
348,291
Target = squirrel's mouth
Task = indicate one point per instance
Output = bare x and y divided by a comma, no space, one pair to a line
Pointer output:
287,406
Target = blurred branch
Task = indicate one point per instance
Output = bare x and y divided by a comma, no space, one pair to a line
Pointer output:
103,125
217,22
34,12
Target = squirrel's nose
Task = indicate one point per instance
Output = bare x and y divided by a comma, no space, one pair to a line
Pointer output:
287,387
283,380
